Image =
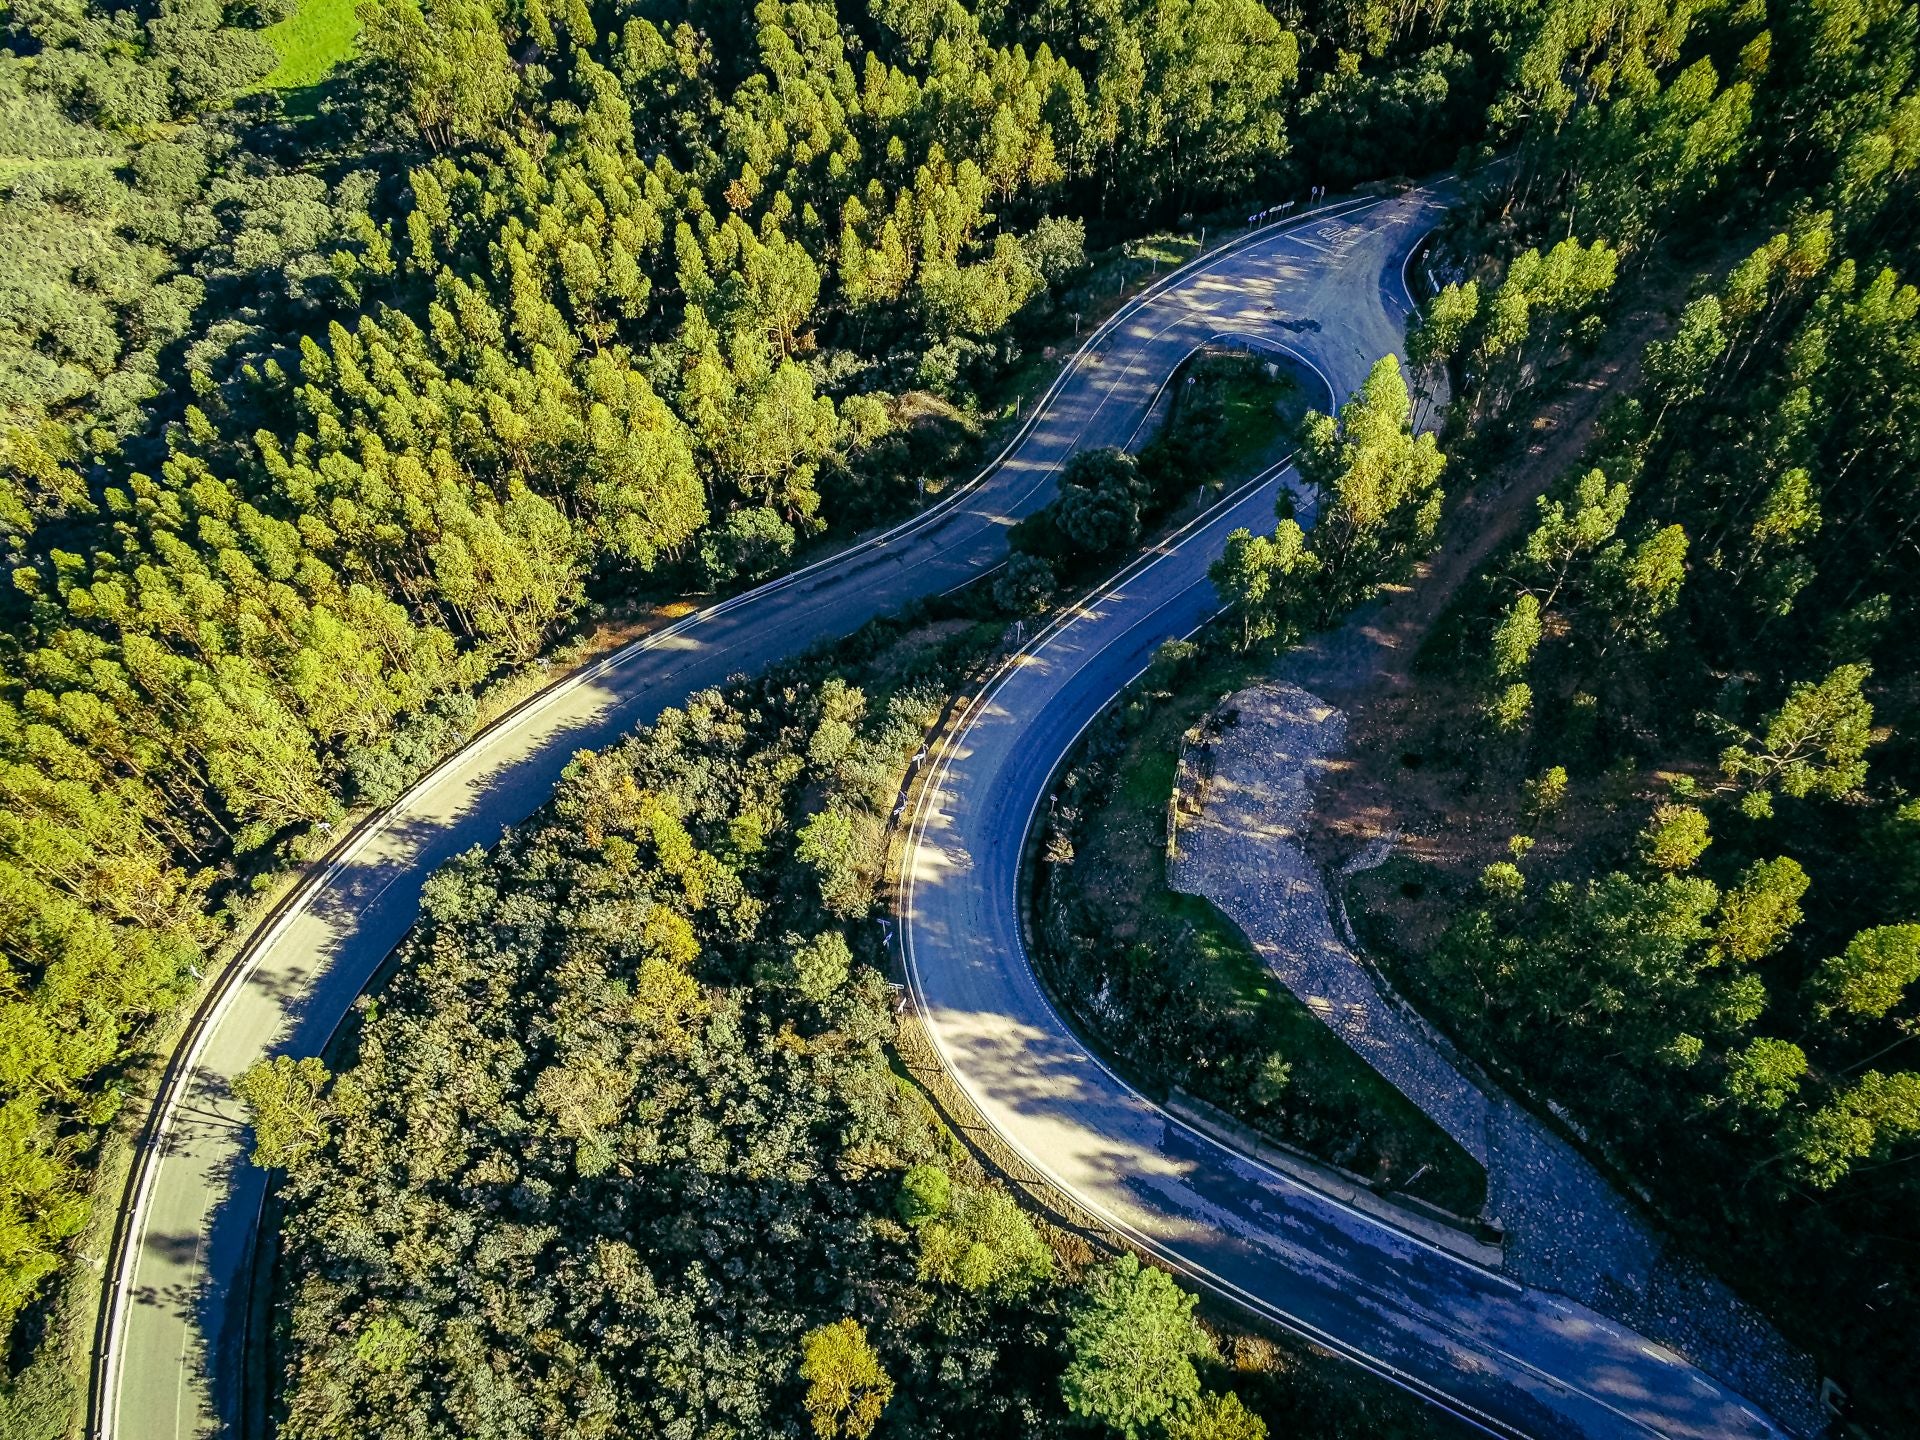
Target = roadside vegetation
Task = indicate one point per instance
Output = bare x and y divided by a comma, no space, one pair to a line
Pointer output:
1654,771
641,1051
320,409
1225,408
1167,986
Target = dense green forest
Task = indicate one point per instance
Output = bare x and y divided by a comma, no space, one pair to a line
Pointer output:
1688,686
1710,632
313,422
319,408
621,1149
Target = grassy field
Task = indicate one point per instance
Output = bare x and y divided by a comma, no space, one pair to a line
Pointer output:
1255,409
310,42
1163,251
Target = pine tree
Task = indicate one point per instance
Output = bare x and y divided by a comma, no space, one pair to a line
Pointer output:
1378,485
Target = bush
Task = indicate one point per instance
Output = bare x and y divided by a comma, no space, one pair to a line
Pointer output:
1133,1341
37,1404
1056,247
821,966
380,773
752,544
983,1242
1675,837
954,369
925,1193
1025,586
1098,512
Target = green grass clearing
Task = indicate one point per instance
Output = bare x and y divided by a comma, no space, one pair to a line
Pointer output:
310,42
1256,409
1166,249
1149,780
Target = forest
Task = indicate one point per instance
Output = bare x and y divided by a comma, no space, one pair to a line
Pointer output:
622,1149
1686,687
319,409
317,415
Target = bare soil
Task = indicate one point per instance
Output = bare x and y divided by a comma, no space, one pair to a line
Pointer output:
1408,772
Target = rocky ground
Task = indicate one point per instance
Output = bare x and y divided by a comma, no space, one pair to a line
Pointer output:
1247,786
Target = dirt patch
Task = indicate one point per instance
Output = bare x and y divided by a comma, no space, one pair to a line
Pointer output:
1404,772
1172,991
1416,769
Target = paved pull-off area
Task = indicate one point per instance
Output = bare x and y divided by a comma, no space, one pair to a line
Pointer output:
1266,749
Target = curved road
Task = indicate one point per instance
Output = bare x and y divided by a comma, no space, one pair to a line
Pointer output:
175,1321
1510,1360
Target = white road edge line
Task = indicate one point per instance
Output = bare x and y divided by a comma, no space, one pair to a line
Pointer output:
131,1231
1219,1284
1070,615
1002,675
1198,1273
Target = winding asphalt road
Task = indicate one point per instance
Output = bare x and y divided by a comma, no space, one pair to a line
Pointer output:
1507,1359
1330,286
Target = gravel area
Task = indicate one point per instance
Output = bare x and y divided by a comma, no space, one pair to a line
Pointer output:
1242,806
1245,851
